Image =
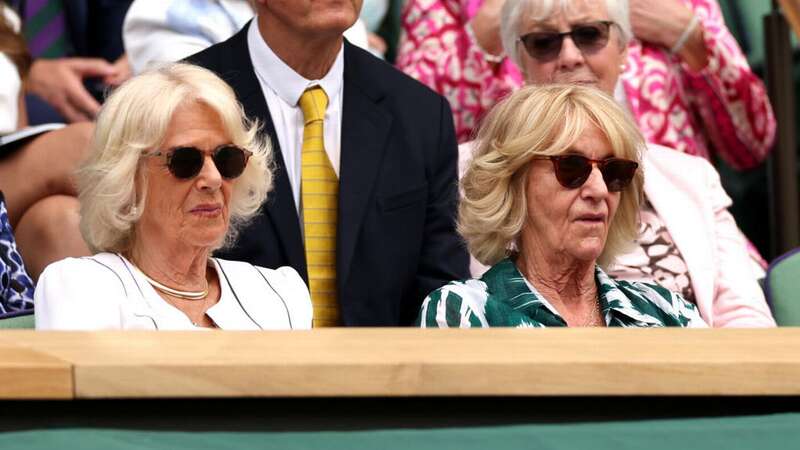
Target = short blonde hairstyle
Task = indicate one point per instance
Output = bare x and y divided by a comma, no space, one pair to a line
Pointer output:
134,120
514,11
533,121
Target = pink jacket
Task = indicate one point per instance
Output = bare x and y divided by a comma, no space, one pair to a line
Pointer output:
723,107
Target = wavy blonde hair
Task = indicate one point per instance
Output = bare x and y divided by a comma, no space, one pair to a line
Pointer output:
134,120
540,120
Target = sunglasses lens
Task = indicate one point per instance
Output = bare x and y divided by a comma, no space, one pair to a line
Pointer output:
185,162
230,161
572,170
591,37
618,173
542,46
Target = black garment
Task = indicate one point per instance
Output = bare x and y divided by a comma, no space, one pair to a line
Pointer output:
396,238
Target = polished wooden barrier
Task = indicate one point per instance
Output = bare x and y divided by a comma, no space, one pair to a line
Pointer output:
400,362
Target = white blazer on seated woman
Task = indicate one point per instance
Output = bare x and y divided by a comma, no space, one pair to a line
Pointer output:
687,194
107,292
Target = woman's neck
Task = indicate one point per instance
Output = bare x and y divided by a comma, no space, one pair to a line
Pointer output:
567,284
178,268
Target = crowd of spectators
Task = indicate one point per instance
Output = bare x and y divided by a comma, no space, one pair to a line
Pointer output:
123,167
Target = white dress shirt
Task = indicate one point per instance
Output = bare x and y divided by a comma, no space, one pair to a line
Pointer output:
282,88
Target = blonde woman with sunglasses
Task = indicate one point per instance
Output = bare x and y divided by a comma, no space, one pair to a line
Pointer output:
551,197
174,170
687,241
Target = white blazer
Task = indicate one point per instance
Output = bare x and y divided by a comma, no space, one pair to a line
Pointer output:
106,292
686,192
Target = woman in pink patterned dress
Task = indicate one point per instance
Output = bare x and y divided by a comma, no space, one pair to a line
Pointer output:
686,80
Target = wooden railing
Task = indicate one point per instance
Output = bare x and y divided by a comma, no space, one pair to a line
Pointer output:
400,362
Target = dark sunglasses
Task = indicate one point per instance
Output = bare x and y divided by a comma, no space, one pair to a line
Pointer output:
546,45
573,170
187,162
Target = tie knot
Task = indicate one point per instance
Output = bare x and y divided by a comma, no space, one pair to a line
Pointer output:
313,102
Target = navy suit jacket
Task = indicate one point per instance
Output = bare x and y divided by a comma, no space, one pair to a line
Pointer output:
396,238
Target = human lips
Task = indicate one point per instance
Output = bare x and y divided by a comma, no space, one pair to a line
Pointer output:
591,218
207,209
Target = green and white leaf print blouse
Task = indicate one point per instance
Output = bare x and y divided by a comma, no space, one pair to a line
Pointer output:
502,298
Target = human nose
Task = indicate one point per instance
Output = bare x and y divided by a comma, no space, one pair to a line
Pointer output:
595,186
570,55
209,178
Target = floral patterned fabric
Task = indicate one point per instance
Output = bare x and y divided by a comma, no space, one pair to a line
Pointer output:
503,298
16,287
723,107
655,257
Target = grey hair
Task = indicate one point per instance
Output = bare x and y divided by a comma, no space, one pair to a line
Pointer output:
515,10
135,119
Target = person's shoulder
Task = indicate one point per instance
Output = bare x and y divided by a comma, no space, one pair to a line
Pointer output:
102,272
282,279
215,57
101,264
456,304
672,308
375,73
668,157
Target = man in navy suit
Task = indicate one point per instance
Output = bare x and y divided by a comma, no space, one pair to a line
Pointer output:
389,139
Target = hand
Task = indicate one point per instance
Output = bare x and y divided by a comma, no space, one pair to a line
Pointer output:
60,83
659,22
662,22
486,25
122,72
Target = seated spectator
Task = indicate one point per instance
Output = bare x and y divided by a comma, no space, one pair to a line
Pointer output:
551,195
166,183
36,165
158,31
78,55
16,287
687,240
685,79
365,178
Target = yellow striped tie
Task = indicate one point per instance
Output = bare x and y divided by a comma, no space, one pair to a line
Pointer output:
319,193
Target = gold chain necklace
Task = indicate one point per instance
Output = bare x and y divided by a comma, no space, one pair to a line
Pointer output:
187,295
589,320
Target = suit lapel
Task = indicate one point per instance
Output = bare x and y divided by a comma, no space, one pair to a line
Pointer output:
280,207
365,129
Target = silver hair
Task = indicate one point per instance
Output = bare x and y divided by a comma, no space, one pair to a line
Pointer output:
515,10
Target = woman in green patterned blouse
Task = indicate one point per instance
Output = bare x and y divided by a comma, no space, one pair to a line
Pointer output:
551,196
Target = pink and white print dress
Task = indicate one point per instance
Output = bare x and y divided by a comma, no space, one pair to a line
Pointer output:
720,109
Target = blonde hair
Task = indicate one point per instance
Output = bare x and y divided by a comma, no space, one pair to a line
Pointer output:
540,120
133,120
514,11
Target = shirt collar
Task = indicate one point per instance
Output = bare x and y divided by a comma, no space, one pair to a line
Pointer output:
508,283
288,84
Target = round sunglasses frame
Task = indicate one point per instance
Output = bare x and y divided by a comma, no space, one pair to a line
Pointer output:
168,154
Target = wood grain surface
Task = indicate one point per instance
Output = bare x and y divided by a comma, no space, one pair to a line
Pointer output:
415,362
